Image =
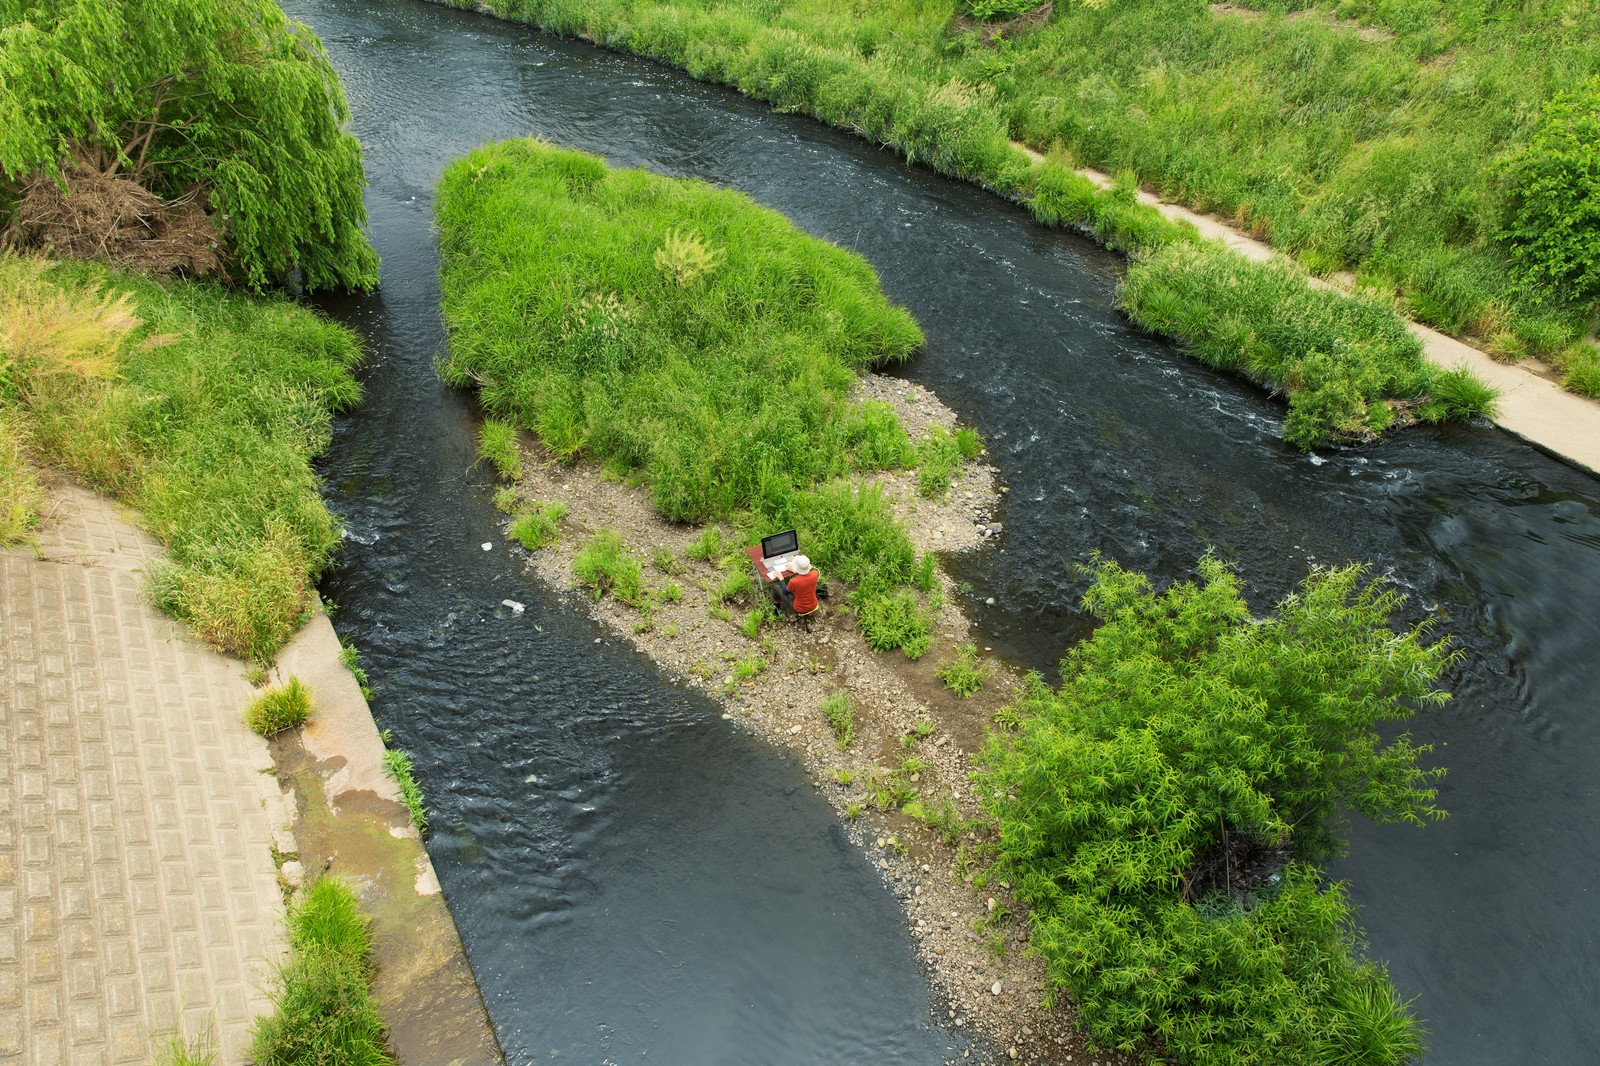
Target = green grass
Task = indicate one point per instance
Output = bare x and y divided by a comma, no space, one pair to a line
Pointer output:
1347,363
21,497
539,526
350,655
175,1049
285,706
962,674
1365,142
643,321
841,716
398,765
938,459
605,565
897,621
324,1011
201,410
497,442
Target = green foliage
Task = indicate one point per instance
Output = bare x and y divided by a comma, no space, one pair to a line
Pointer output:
896,620
841,716
1159,811
747,668
540,525
1583,372
21,497
497,442
226,96
1553,198
1354,134
398,765
1340,358
709,545
605,565
350,656
968,443
962,675
218,406
324,1010
285,707
988,10
938,459
645,321
761,615
666,561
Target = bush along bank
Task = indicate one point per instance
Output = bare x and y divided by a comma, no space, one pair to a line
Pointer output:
201,410
1162,813
691,340
1395,145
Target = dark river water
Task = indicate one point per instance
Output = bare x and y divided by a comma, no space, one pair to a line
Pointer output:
635,879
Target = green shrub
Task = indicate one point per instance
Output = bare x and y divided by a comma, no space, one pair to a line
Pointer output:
1340,358
1551,222
709,545
286,706
938,460
1583,372
497,442
667,562
605,566
539,527
323,1007
21,497
968,443
896,620
1189,742
841,716
876,439
962,675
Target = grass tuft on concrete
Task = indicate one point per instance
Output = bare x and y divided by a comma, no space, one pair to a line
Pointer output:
324,1008
285,706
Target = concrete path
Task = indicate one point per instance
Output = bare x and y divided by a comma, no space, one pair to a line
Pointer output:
137,888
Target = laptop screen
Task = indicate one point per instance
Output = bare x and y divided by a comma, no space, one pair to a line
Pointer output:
780,544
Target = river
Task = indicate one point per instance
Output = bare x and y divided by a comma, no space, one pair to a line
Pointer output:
636,879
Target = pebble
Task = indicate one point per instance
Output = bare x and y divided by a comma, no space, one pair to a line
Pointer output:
995,989
488,545
1012,1053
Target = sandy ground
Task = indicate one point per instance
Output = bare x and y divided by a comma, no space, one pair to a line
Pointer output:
970,935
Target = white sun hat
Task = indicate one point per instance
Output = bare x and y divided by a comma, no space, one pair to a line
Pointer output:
802,565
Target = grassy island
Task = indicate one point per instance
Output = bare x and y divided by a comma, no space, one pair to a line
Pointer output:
689,339
1438,152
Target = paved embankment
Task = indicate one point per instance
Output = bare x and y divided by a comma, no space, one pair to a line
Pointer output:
139,896
137,890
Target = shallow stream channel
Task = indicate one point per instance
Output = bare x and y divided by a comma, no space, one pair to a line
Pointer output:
637,880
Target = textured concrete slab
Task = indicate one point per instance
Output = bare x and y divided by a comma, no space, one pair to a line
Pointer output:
137,890
353,825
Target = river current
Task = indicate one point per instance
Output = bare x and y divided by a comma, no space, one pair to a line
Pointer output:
637,880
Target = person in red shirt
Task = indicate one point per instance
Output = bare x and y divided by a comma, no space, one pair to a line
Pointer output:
800,588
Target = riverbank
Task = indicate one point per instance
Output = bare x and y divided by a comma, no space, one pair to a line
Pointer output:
957,131
895,766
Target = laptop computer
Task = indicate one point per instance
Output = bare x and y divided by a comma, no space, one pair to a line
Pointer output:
778,549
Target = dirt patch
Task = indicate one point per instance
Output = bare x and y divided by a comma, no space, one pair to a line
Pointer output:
1370,34
1010,28
116,220
901,782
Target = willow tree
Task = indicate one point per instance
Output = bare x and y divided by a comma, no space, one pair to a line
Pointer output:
227,102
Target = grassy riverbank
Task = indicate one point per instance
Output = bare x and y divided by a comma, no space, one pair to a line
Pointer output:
1352,147
687,339
200,409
